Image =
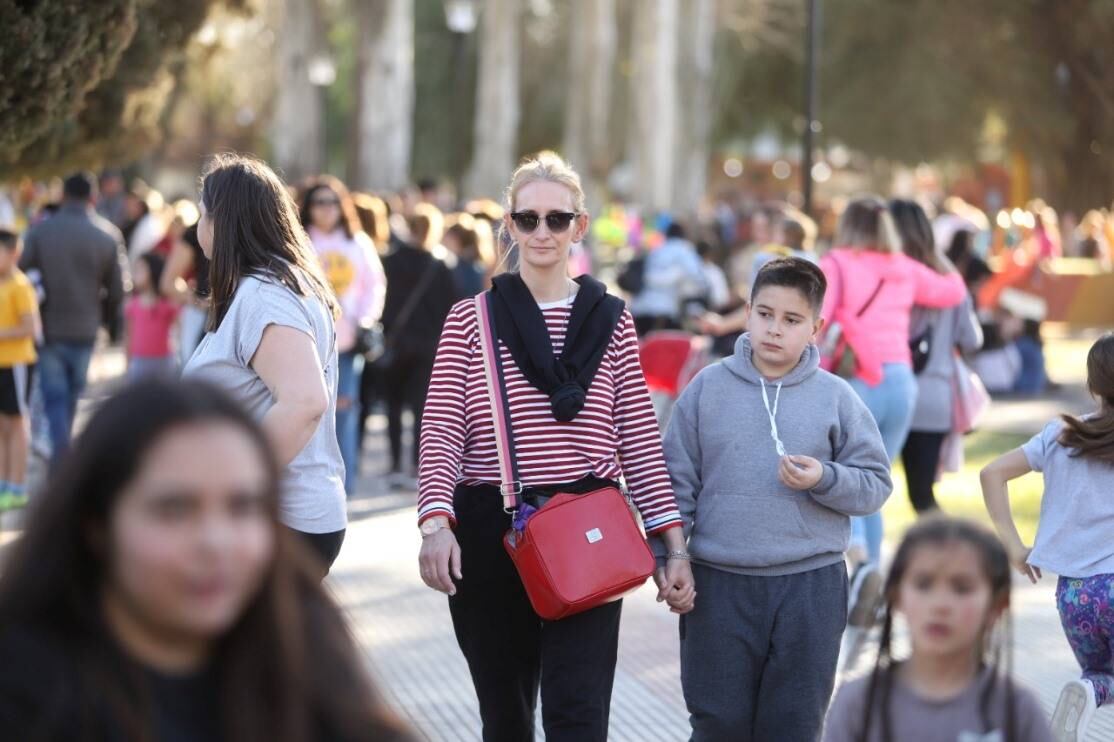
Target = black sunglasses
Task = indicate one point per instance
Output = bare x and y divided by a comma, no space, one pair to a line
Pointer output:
555,221
324,202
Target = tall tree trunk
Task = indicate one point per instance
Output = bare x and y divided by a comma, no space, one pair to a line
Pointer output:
655,103
695,74
591,59
497,100
297,125
386,96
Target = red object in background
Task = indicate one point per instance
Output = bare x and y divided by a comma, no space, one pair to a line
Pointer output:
670,358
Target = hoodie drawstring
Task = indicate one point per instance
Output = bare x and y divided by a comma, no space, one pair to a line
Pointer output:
772,414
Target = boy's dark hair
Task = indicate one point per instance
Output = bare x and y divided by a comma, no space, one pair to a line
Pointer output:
8,239
675,231
79,187
794,273
794,233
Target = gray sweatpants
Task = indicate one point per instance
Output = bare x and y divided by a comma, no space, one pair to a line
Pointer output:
758,654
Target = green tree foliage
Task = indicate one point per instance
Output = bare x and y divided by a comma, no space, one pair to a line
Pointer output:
114,114
51,55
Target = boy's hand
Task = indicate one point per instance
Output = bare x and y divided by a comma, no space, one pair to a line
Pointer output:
800,472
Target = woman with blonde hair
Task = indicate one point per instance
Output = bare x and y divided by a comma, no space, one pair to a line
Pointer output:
581,417
872,289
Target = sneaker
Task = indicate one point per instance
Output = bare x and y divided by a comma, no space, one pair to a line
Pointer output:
865,597
1074,711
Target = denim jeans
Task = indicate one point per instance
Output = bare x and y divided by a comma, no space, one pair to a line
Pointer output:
63,368
891,403
350,367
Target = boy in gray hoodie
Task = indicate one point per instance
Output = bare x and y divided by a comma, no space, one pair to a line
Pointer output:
769,456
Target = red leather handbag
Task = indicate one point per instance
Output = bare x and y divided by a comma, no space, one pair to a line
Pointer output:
577,551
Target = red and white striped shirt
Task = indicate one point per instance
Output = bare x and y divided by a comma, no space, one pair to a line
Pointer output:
615,434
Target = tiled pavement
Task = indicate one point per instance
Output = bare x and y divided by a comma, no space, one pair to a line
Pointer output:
405,630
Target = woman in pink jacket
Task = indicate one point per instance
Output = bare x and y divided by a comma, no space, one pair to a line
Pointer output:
872,288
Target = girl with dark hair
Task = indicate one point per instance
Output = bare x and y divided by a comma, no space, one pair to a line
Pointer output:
352,267
186,280
271,340
1074,540
934,336
950,579
150,319
154,596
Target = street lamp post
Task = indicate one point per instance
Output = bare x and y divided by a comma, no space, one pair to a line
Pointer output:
322,73
812,125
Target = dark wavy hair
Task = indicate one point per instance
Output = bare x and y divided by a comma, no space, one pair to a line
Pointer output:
942,531
917,240
256,231
1093,437
349,218
285,669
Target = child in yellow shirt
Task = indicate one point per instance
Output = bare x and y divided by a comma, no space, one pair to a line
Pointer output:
19,326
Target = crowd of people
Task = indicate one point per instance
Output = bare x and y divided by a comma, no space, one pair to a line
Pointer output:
168,581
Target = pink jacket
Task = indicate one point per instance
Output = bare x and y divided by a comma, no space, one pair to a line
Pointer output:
881,334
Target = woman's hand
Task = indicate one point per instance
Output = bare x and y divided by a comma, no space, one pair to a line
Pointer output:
676,586
439,561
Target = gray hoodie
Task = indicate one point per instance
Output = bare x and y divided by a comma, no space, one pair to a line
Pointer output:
723,461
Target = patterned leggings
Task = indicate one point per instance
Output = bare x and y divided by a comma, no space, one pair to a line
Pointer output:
1087,614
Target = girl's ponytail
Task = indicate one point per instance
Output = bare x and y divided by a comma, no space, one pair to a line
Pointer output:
1093,437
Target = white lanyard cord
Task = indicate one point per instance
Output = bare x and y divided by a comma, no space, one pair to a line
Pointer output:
772,414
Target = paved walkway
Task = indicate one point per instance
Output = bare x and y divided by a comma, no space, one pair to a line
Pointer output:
405,629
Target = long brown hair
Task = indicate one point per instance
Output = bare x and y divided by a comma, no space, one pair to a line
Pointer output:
917,240
1093,437
942,531
256,231
349,219
288,665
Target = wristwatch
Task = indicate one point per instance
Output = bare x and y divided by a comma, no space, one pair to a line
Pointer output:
432,526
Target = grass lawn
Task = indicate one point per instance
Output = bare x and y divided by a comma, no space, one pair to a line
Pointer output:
960,494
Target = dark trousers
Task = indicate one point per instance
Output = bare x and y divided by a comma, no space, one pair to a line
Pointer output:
405,383
511,652
758,654
921,457
324,546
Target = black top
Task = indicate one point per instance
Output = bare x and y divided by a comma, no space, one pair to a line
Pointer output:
404,269
42,696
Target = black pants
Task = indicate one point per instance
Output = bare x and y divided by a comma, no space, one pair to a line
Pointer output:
511,651
325,546
921,457
404,385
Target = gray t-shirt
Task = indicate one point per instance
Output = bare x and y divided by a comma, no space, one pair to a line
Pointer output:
1077,509
313,498
954,720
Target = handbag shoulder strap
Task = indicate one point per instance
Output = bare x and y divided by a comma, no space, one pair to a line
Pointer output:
509,484
415,297
843,287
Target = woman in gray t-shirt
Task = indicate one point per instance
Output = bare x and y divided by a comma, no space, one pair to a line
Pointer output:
270,340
